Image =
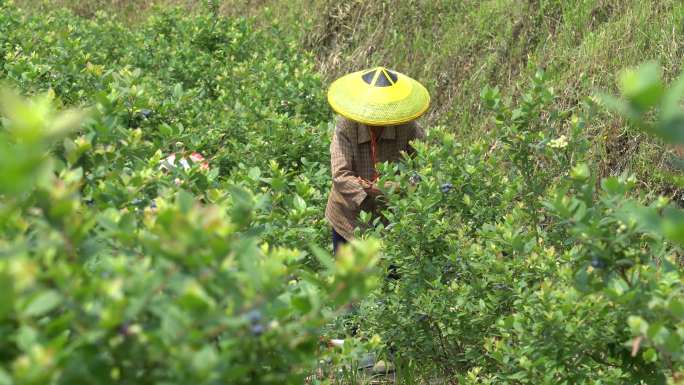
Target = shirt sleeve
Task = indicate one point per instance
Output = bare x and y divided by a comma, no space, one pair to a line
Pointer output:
344,178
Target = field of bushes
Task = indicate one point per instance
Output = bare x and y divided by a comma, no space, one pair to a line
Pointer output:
164,172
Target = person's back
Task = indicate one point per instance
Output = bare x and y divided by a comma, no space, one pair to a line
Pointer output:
352,165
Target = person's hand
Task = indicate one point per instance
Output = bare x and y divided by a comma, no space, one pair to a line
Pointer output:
366,184
370,187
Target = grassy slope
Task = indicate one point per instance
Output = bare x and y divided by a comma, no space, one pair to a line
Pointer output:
457,46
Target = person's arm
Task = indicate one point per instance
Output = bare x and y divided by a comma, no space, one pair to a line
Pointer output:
345,180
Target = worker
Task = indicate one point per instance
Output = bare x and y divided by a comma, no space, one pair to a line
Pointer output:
377,110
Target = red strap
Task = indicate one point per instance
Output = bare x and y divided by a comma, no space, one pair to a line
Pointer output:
374,142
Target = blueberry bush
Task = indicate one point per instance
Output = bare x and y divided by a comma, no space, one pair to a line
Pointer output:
161,221
507,262
160,203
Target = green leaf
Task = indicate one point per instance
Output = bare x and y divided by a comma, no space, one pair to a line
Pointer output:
642,86
5,378
178,91
6,295
650,355
254,173
671,128
646,218
638,325
185,201
673,224
26,338
580,213
323,257
205,359
580,172
613,186
671,105
673,342
616,105
676,307
43,303
655,330
299,203
301,303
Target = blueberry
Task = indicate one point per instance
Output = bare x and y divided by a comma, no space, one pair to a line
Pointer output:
598,263
446,187
145,113
415,178
124,329
254,316
153,205
257,329
136,201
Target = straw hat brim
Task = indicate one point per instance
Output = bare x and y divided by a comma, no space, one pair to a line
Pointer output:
403,101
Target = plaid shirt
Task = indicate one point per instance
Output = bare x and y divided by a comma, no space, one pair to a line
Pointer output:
350,157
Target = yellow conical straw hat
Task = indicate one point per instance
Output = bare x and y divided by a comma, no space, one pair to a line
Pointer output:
378,96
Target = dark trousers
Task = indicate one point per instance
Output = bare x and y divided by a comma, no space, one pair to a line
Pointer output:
338,241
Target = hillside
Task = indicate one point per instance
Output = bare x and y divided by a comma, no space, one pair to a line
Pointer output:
457,47
165,170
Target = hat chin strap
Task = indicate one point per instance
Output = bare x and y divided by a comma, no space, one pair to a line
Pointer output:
374,144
